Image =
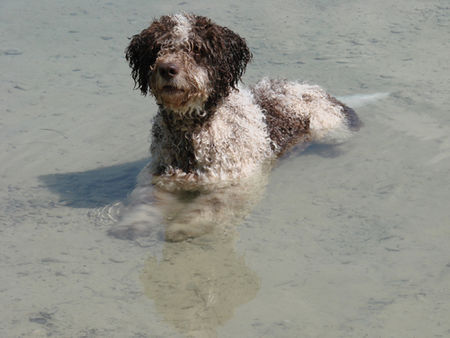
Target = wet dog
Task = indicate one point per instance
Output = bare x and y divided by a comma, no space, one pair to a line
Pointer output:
209,131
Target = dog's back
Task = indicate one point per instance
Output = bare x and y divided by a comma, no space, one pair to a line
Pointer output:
296,112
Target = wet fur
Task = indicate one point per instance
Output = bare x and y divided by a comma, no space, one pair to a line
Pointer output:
224,53
201,131
210,133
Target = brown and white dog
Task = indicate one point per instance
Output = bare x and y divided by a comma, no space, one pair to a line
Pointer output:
207,129
210,132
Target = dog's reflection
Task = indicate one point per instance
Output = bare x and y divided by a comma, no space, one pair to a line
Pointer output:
197,285
180,214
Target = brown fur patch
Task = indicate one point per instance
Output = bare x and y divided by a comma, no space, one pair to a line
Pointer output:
224,53
285,129
143,50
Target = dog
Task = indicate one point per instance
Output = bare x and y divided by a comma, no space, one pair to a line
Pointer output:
210,131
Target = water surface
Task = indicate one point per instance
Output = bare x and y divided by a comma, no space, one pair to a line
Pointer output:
343,242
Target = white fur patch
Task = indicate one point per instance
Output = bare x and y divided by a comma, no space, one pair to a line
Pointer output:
182,28
327,121
237,142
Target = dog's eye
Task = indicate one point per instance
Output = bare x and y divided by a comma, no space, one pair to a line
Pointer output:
198,53
196,50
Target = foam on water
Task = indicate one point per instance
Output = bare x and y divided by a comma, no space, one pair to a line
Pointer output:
359,100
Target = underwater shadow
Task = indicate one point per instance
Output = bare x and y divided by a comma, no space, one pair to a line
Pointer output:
95,188
316,149
103,186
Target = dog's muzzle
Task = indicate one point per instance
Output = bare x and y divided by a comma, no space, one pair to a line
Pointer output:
168,70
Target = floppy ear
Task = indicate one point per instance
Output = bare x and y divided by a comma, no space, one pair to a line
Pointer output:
141,55
143,50
227,54
236,56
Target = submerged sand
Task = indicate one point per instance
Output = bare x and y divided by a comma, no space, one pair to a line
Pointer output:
344,242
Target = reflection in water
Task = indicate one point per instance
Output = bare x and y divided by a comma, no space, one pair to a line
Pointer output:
178,215
195,284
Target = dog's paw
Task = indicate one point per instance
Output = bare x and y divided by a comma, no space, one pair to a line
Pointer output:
132,231
177,232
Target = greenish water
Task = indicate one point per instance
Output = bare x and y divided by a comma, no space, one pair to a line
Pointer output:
344,242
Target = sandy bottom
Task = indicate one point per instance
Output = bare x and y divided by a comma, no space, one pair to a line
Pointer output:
350,241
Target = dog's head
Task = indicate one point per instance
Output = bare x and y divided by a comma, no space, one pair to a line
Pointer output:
187,61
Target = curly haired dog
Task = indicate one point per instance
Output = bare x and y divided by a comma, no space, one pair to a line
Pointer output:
212,140
209,130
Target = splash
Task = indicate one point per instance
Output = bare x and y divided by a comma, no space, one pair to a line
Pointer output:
359,100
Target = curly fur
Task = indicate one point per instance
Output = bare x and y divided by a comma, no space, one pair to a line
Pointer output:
196,41
212,139
207,128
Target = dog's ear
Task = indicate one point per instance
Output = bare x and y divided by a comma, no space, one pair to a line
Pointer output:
231,56
236,56
140,56
227,54
143,50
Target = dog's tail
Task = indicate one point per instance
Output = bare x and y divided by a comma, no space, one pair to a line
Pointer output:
352,123
359,100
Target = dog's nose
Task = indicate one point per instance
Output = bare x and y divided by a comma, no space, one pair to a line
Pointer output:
168,70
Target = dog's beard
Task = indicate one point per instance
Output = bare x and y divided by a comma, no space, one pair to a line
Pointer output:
173,96
180,99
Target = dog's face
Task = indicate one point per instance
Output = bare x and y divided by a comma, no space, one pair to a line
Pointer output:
187,61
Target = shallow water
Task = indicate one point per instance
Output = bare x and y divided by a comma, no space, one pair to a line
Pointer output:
343,242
